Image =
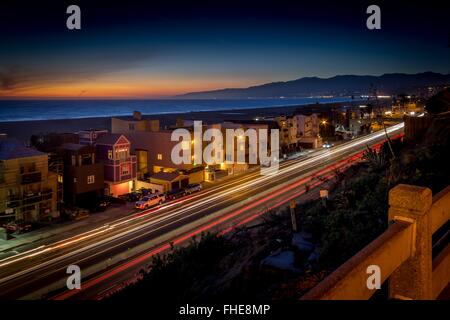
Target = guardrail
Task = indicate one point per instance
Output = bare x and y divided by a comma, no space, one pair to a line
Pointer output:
403,252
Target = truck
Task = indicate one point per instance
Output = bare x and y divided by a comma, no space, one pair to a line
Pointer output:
150,201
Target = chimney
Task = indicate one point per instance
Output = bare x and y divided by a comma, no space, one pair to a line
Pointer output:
137,115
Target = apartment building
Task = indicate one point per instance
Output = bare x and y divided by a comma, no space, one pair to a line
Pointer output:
83,175
307,128
28,191
135,123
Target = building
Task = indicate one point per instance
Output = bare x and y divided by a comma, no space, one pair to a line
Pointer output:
90,136
113,150
241,143
307,130
166,181
288,133
83,176
153,151
134,124
51,143
28,191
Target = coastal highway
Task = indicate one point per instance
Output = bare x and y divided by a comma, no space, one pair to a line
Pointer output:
33,273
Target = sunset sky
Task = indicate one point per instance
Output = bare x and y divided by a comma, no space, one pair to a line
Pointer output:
164,48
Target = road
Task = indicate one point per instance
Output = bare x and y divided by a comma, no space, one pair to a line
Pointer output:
29,274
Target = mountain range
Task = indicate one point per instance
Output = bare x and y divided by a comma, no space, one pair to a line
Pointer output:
346,85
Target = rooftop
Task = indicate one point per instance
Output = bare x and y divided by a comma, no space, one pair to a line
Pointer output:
109,138
166,176
11,148
74,146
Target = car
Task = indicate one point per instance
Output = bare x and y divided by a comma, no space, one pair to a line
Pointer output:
150,200
193,187
130,197
145,192
17,227
101,204
175,194
327,145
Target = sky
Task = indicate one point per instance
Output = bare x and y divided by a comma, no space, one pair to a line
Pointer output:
154,49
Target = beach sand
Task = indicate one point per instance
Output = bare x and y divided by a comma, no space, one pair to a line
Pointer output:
23,130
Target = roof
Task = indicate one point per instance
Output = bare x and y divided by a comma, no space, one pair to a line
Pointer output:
109,138
11,148
166,176
73,146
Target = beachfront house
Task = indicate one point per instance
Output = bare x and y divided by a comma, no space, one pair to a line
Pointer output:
113,150
28,190
134,123
83,175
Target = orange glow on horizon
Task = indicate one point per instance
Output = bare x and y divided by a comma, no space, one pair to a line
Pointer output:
121,88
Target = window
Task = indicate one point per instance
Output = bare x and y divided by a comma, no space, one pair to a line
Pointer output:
91,179
159,156
122,153
125,169
131,126
110,154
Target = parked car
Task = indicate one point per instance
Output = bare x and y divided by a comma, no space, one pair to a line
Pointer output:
193,187
175,194
145,192
130,197
17,227
150,200
100,204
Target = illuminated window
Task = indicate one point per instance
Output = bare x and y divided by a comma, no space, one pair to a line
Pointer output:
125,169
159,156
122,153
110,154
91,179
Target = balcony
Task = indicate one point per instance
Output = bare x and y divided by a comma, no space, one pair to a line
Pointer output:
13,201
29,198
32,177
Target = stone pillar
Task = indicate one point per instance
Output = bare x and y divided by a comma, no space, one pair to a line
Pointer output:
413,279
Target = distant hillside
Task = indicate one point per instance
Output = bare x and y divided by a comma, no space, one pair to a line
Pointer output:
338,85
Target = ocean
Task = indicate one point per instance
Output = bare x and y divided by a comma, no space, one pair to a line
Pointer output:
21,110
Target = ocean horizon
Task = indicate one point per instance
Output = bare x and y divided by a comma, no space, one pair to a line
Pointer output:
34,110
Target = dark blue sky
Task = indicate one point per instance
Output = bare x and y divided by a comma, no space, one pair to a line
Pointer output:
160,48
